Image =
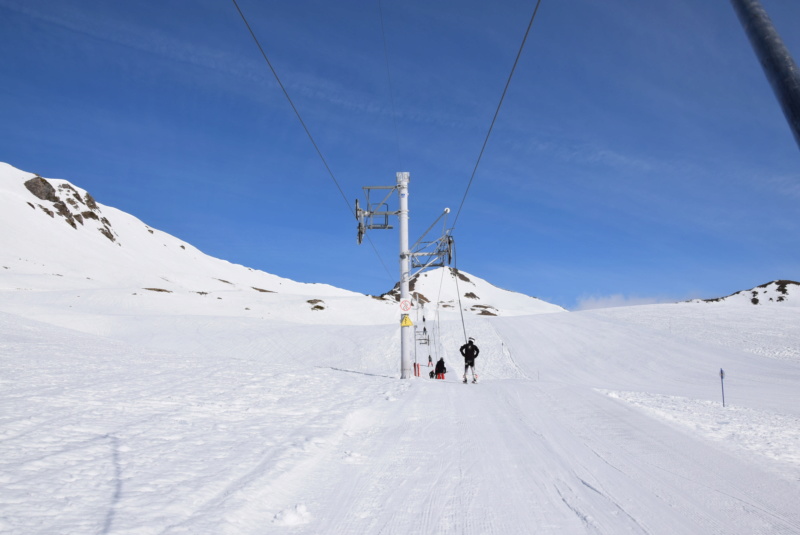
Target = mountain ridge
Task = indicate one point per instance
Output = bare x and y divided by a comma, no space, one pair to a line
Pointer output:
773,292
65,240
473,293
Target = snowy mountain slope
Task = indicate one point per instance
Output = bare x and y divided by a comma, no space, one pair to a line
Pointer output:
763,331
94,257
785,292
217,408
445,285
582,423
54,235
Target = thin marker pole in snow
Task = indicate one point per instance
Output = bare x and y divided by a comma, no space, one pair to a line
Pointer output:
722,382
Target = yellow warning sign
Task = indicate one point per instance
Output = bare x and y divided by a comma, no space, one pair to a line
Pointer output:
406,321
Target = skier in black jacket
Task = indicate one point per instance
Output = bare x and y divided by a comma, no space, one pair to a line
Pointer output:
440,368
470,352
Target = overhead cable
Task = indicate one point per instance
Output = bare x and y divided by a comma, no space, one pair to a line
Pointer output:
291,103
456,275
497,111
308,133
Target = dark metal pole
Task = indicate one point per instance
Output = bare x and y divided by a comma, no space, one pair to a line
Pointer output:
722,382
778,65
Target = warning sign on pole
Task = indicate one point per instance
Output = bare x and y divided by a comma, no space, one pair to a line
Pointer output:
406,321
405,305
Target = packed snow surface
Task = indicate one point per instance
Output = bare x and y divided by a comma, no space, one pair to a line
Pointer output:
205,407
580,423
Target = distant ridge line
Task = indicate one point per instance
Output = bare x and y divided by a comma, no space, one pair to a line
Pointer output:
782,286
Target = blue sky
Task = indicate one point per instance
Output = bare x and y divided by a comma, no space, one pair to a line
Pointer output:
639,156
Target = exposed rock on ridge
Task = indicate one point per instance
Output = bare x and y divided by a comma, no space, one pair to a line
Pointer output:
68,203
780,291
450,288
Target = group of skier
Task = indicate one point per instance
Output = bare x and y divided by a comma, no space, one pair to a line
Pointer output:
469,351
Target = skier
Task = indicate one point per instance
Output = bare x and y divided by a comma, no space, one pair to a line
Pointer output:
430,361
470,352
440,368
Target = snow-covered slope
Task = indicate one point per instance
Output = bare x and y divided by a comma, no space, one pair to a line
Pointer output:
232,410
448,287
582,423
65,242
783,292
59,230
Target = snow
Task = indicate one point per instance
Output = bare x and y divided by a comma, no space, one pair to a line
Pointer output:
762,432
477,295
774,292
129,411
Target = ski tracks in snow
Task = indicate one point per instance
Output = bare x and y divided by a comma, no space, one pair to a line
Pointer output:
97,437
658,477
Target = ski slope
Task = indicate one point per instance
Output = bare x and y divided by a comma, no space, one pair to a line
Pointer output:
147,388
582,423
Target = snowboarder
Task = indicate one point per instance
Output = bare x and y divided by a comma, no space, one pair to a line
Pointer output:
440,368
470,352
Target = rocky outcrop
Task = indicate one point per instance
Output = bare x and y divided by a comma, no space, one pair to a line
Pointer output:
779,291
42,189
67,203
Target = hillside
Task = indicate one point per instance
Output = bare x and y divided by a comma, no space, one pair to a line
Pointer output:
582,423
148,388
448,287
66,242
785,292
61,231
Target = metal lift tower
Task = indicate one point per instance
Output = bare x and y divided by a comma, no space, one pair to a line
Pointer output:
434,253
